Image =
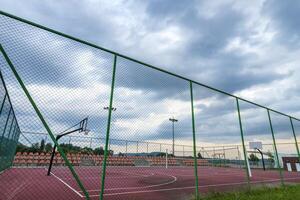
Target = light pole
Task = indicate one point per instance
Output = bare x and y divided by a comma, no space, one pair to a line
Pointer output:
173,120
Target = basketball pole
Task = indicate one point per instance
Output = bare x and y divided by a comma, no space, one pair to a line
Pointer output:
166,158
248,165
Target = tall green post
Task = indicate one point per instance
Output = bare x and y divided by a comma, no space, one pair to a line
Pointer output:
295,137
13,69
194,142
243,141
5,126
108,128
275,147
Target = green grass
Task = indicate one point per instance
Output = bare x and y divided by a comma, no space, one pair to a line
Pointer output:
266,193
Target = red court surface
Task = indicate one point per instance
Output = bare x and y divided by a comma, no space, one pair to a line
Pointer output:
129,182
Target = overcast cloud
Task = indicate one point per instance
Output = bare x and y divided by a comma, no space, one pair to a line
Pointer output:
249,48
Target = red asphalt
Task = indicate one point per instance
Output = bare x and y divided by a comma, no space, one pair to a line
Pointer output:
128,183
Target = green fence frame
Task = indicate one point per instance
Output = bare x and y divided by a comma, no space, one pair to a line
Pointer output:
5,146
243,141
275,147
9,62
194,143
295,137
108,126
116,55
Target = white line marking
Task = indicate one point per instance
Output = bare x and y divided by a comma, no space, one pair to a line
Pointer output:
216,173
17,190
191,187
138,174
118,177
67,185
174,179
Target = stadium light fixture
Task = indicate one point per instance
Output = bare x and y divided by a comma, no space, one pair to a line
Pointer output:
107,108
173,120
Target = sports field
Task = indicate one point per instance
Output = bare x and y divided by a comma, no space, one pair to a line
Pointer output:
79,121
129,182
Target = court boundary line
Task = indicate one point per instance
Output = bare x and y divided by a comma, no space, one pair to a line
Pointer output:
77,192
192,187
149,186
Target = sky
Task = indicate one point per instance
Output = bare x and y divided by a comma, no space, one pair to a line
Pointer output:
248,48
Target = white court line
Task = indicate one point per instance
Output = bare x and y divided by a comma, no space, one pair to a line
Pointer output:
67,185
139,174
149,186
209,175
118,177
215,173
191,187
17,190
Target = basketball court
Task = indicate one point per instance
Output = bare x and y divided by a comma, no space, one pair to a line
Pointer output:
130,182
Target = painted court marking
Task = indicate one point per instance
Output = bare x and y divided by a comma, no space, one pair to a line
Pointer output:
190,187
66,184
174,179
138,174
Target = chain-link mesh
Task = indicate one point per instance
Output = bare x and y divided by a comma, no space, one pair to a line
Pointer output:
85,122
9,128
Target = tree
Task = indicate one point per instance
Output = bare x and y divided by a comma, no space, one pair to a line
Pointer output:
200,156
271,156
48,147
160,154
110,152
21,148
253,158
34,148
42,146
99,151
170,155
70,148
86,150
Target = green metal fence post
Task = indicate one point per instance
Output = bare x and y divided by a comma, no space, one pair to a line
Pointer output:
243,141
2,139
5,146
108,127
13,69
295,137
194,142
2,104
11,141
274,144
15,141
5,126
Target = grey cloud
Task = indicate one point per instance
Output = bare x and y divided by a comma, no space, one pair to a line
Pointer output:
210,36
46,58
284,17
202,59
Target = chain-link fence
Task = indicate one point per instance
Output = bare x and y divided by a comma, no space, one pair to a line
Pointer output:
9,128
96,124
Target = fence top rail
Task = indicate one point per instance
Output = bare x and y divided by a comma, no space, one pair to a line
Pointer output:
199,148
139,62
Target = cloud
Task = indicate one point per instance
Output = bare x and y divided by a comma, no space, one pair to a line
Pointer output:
246,48
284,15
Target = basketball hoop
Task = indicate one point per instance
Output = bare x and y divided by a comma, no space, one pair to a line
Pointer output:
83,125
255,145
